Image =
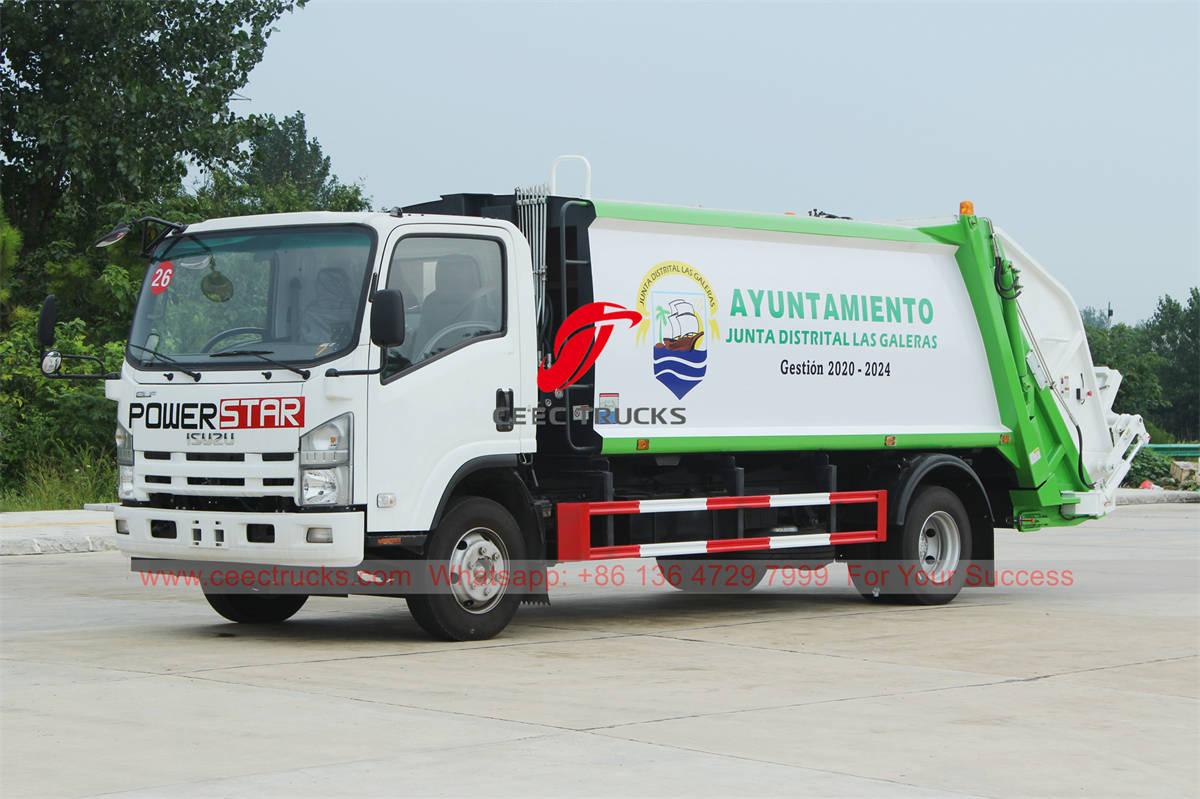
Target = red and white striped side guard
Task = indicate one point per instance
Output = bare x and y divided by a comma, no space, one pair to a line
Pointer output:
575,528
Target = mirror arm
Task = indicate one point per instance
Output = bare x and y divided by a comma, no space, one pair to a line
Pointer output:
104,376
91,358
167,229
331,372
351,372
84,375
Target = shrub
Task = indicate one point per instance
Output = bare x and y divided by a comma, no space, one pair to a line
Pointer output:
64,479
42,419
1148,465
1157,434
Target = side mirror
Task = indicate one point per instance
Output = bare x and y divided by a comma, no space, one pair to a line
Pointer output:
51,363
387,318
46,321
113,236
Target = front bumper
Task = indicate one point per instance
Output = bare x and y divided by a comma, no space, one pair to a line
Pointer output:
219,536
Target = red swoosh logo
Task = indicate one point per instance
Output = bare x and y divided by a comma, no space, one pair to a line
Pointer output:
580,339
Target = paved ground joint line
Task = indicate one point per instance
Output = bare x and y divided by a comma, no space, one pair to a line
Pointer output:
500,645
769,762
366,701
335,763
885,695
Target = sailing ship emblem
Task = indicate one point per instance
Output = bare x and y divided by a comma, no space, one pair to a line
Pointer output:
680,357
678,307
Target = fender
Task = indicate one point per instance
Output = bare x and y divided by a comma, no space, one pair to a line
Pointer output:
919,468
465,471
496,477
901,493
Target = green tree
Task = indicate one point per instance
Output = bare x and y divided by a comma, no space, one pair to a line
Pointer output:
272,178
1095,317
109,101
284,170
10,248
283,157
105,106
1127,349
1173,334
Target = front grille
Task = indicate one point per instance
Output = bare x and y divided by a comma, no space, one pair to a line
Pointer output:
225,504
250,475
216,481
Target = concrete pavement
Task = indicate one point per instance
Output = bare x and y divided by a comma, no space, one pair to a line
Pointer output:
1150,496
111,687
56,531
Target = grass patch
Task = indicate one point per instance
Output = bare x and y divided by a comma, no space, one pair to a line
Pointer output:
65,482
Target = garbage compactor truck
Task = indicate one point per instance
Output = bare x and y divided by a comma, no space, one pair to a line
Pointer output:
485,383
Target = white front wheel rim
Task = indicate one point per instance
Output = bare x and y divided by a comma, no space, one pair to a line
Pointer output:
478,570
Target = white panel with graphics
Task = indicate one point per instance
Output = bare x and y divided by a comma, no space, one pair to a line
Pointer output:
759,333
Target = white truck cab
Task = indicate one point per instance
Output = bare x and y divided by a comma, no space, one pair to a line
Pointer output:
263,452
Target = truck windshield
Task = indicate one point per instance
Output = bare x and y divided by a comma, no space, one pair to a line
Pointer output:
294,294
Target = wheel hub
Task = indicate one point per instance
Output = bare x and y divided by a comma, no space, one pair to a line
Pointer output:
940,546
478,570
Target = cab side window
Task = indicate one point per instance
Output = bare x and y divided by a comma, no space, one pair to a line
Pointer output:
453,291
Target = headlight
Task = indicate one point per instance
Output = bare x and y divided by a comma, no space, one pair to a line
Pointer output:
125,482
323,486
124,441
325,468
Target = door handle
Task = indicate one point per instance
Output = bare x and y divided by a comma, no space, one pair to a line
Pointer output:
504,410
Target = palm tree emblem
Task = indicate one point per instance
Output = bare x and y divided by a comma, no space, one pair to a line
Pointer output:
660,316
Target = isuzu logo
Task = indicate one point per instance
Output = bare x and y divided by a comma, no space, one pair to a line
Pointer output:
230,414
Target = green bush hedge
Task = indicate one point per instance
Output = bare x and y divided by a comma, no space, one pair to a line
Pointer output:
1148,465
50,421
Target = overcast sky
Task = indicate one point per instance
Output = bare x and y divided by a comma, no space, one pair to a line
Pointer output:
1073,125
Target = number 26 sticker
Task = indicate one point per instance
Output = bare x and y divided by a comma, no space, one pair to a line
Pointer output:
162,277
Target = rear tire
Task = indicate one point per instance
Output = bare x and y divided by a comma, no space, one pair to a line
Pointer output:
475,534
256,608
923,562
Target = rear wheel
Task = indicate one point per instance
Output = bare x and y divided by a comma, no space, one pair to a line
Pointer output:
476,543
924,562
256,608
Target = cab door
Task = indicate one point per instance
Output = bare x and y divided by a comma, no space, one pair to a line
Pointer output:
469,348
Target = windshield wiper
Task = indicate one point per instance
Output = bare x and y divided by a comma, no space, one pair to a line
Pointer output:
166,359
262,356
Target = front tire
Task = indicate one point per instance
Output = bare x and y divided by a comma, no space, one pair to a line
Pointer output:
256,608
477,537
